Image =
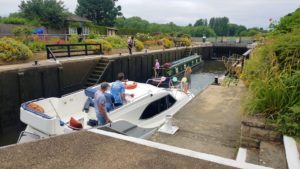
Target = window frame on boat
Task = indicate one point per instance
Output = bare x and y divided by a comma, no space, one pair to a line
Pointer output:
160,105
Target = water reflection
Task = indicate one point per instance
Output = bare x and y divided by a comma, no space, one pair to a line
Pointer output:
206,75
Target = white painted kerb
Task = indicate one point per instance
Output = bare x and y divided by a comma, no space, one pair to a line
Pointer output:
242,155
291,153
181,151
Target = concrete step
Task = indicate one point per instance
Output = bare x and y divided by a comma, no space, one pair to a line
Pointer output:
93,80
253,156
96,71
272,155
101,64
99,68
88,84
95,75
104,60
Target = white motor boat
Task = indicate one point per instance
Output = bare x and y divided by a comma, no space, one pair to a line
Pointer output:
145,111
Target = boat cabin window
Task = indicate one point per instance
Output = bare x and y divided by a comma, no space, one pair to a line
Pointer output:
157,107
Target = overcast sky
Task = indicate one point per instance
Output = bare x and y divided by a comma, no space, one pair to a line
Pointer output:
182,12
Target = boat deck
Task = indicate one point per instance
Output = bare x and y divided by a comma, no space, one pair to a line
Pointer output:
85,149
210,123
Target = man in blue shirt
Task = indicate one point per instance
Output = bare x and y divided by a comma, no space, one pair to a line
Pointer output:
118,90
109,104
99,102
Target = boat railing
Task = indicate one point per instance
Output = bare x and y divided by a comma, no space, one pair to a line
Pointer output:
160,81
141,96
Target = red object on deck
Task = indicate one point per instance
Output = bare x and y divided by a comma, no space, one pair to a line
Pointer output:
131,86
75,123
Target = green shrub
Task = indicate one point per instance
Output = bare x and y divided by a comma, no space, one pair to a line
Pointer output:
127,31
184,41
162,36
273,76
116,41
11,50
143,37
94,36
73,39
36,46
22,31
151,43
106,46
167,43
13,20
139,46
98,29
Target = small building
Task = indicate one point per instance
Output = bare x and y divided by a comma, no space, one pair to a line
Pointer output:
77,25
111,31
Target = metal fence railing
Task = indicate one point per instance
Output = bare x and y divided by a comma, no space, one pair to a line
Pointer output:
55,51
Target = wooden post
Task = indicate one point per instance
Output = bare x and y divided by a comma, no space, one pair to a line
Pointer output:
101,49
69,52
86,50
48,52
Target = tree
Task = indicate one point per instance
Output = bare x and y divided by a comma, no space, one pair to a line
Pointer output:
201,22
101,12
50,13
235,30
289,22
199,31
219,25
132,23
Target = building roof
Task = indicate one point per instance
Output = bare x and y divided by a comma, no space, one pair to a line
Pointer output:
112,28
76,18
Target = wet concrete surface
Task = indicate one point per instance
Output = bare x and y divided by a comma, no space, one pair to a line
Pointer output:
82,150
210,123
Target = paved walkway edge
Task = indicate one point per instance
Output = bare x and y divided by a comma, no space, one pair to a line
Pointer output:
181,151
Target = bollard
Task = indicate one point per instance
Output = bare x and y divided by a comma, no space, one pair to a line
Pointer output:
216,80
168,122
168,128
36,62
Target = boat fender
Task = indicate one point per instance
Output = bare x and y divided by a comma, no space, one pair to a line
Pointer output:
36,107
130,86
75,124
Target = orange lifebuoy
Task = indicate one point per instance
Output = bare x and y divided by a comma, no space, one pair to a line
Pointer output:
131,86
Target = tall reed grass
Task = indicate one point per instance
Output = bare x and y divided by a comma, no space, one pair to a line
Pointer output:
273,76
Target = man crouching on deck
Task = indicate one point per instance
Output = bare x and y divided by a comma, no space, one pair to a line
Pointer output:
99,103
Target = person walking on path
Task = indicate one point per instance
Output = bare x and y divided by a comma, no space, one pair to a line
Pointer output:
130,43
99,103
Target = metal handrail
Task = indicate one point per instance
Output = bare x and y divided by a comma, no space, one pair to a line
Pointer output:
49,52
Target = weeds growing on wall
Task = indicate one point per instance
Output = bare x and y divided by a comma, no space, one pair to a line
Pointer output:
273,76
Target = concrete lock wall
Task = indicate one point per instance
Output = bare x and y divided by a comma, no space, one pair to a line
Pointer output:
20,85
25,84
75,74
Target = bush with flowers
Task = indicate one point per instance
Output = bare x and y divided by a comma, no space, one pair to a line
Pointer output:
12,50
